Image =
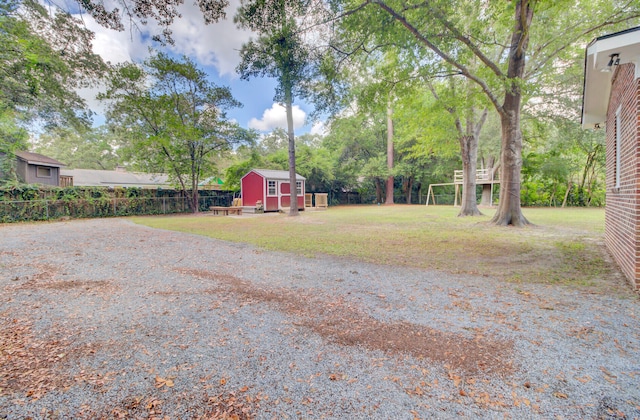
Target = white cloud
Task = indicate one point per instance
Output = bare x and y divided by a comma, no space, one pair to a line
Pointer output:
217,44
114,46
276,116
318,128
89,95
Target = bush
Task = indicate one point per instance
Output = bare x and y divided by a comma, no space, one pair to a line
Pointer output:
34,202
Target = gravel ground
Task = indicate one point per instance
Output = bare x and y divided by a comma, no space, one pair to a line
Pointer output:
107,319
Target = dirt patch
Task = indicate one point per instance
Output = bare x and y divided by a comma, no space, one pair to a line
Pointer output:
76,284
46,276
341,322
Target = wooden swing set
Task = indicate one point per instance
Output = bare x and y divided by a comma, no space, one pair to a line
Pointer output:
483,177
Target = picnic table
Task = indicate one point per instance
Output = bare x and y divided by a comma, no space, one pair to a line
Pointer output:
226,210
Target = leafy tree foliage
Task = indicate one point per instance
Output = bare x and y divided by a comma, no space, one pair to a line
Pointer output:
425,139
516,53
280,52
564,164
498,36
357,144
95,148
136,12
173,118
44,58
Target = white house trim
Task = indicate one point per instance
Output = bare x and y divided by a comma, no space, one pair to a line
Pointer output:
597,74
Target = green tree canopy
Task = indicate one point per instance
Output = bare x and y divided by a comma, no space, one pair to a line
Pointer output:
44,58
172,118
505,48
281,52
95,148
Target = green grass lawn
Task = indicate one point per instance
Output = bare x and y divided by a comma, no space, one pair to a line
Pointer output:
563,246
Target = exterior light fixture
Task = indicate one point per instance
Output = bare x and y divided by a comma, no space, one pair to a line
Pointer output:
614,60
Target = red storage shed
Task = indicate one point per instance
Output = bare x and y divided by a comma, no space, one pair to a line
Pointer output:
272,188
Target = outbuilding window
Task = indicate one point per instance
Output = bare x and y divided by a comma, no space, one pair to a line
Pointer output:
271,187
299,187
43,172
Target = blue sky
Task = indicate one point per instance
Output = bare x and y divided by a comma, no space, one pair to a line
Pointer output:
215,48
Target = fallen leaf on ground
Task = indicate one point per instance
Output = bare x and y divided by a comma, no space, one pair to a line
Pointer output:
160,382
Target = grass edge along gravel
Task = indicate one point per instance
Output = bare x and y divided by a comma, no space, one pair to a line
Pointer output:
563,246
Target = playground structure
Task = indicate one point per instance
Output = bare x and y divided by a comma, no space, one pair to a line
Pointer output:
483,177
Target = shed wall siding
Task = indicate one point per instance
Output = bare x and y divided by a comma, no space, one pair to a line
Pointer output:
622,219
28,174
21,171
252,186
53,180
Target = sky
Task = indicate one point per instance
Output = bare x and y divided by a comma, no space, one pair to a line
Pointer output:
215,48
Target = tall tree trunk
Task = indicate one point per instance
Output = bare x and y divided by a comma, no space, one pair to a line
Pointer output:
293,206
378,183
408,187
389,198
468,139
469,154
566,194
194,183
509,211
194,197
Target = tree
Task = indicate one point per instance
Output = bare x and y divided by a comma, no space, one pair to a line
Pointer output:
44,58
468,126
357,145
94,148
377,81
564,164
276,140
164,12
440,27
426,132
397,70
279,52
316,165
173,117
498,35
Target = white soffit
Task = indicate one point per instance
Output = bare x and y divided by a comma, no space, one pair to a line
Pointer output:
597,83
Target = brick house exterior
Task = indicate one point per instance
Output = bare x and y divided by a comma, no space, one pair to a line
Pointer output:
612,99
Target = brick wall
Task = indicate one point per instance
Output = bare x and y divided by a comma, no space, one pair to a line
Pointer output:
622,220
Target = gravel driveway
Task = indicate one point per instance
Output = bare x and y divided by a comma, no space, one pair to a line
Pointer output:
107,319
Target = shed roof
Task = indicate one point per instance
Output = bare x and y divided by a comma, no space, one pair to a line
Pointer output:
99,178
38,159
598,72
275,174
